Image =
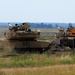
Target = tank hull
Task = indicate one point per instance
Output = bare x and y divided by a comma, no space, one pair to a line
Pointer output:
10,45
70,42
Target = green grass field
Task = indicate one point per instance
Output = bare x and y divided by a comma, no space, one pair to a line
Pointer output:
39,64
10,60
35,63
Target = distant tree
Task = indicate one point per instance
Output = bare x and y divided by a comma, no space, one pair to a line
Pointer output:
42,25
50,26
56,26
70,24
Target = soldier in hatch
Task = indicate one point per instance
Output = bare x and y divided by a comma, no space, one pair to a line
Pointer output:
16,27
9,26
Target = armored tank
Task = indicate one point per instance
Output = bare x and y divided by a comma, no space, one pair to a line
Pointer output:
66,37
22,38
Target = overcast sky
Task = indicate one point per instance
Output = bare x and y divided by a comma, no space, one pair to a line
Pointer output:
37,11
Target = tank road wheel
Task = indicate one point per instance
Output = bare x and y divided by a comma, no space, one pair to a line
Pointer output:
40,50
29,50
19,50
36,50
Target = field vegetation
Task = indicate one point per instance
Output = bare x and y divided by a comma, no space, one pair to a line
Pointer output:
50,70
37,64
10,60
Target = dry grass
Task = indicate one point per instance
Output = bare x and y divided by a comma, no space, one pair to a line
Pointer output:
55,64
51,70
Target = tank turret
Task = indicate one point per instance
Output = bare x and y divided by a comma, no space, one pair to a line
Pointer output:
22,32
